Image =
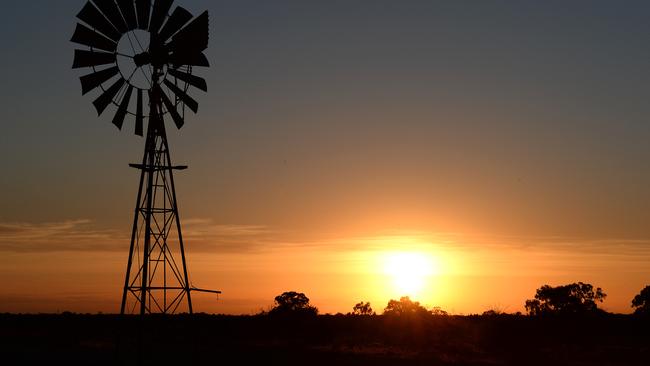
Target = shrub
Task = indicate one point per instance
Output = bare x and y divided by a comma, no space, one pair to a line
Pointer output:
293,303
575,298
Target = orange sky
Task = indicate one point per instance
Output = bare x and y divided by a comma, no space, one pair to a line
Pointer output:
467,275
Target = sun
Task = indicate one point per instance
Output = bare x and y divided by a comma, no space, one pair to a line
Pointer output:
409,271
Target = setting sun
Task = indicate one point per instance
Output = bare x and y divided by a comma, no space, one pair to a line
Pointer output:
410,271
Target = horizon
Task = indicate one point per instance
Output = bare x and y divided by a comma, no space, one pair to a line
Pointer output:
462,154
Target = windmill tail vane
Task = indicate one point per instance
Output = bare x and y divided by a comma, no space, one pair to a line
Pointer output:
140,51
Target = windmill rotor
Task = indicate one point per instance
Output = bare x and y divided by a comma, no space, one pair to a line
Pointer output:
133,47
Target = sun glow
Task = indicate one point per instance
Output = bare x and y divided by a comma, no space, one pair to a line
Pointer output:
410,271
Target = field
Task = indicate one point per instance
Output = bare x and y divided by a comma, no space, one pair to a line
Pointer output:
71,339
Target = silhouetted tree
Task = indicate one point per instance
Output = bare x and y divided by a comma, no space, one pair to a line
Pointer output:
292,302
362,308
495,310
405,306
490,312
568,299
436,310
641,302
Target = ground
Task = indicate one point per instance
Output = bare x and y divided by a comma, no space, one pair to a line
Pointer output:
72,339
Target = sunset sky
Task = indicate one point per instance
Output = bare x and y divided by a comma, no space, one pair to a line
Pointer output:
463,153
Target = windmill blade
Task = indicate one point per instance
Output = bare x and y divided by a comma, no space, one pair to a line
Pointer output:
176,21
191,59
118,119
178,120
193,80
158,14
112,13
88,37
186,99
105,99
128,13
143,8
91,16
84,58
194,37
139,123
91,81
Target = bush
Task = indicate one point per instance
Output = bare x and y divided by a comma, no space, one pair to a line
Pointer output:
575,298
404,307
362,308
641,302
293,303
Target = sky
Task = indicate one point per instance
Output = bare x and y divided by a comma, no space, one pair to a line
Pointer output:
488,147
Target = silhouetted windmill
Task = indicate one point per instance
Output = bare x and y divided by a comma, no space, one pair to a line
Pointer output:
137,46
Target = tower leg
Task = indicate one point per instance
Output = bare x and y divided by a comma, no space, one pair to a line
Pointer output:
178,228
147,228
134,233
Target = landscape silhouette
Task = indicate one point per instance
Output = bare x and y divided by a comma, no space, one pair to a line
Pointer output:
563,326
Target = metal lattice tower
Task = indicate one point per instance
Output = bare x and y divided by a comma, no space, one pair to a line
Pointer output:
156,283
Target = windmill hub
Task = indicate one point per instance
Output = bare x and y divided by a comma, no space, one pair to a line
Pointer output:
142,59
137,56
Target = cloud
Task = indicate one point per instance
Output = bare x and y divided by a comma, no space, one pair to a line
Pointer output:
83,235
73,235
203,235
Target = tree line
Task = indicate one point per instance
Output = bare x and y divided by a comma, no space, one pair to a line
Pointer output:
571,299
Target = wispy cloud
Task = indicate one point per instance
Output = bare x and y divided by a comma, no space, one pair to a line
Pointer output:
84,235
72,235
204,235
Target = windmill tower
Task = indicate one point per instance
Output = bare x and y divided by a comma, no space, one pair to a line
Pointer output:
139,51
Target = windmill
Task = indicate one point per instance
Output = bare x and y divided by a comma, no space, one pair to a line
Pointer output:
141,54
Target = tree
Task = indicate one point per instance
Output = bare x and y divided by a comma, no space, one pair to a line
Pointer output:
362,308
574,298
437,310
405,307
293,303
641,302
